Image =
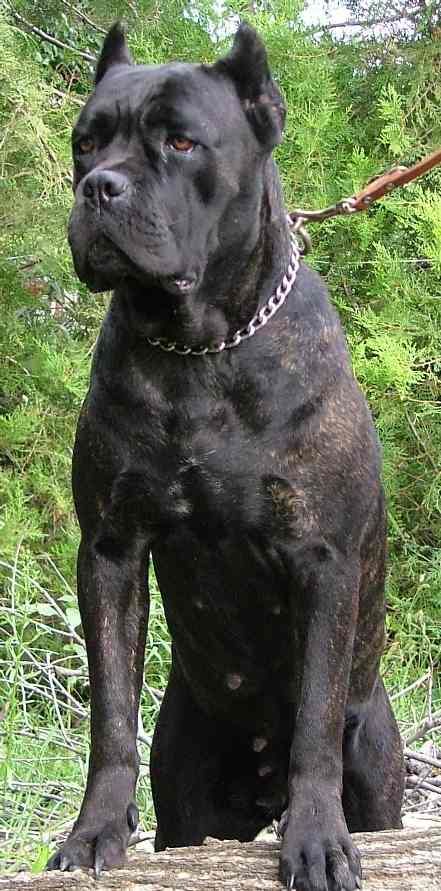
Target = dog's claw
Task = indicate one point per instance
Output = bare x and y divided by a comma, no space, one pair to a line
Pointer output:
290,883
98,865
358,881
52,863
132,817
281,825
64,863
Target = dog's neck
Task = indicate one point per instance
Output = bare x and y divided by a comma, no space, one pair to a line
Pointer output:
235,284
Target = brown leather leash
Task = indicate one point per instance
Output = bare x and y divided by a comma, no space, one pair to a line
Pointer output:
375,189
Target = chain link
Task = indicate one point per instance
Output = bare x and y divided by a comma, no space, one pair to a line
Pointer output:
258,321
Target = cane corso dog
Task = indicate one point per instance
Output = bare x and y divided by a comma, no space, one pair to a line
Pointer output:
223,435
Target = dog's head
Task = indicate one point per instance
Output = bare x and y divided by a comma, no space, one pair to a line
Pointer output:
168,164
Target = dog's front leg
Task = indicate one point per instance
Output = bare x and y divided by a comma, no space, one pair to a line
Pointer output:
317,852
113,599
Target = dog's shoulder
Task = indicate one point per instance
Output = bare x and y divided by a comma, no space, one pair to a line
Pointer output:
311,303
308,336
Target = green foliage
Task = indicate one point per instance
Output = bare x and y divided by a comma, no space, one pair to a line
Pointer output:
353,109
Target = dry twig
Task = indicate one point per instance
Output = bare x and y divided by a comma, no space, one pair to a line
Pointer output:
418,683
424,728
83,17
424,759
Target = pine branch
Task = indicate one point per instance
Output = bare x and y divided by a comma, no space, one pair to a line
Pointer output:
48,38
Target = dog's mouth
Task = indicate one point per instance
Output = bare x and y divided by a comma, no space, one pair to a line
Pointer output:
177,284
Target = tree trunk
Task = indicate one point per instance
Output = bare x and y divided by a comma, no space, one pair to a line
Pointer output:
404,860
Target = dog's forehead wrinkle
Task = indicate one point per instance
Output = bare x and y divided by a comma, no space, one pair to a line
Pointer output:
178,92
174,81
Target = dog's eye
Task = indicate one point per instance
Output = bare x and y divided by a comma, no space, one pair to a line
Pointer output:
180,144
85,146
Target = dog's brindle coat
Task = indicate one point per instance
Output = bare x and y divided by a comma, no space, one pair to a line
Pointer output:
251,476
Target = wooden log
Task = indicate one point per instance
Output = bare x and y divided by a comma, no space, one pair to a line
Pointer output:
405,860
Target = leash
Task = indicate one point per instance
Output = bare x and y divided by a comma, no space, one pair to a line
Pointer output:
380,185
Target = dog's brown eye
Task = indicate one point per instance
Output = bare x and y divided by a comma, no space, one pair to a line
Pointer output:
180,143
85,146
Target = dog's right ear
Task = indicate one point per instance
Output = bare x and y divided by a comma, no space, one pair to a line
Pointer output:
247,66
114,51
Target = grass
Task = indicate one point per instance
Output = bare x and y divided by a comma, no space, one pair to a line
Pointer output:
44,731
44,687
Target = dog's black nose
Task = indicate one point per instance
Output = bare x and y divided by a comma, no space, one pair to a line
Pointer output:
101,186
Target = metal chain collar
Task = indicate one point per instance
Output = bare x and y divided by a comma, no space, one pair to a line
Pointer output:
258,321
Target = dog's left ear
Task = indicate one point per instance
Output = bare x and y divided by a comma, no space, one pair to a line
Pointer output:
247,65
114,51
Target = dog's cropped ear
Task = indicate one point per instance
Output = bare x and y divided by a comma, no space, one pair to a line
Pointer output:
114,51
247,65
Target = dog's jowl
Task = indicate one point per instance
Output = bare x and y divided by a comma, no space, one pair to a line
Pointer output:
239,456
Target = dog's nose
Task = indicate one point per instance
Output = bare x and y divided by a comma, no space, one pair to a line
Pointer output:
101,186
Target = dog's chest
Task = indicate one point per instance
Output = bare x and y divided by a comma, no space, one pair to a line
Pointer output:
181,449
207,468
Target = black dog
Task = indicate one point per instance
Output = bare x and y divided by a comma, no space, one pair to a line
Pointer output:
250,473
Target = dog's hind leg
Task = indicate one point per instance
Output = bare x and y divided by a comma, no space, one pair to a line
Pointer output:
373,773
373,767
197,787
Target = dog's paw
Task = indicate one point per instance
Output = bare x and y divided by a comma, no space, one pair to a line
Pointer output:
96,848
318,857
